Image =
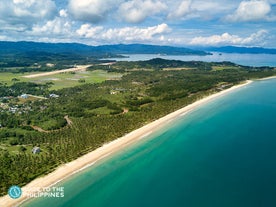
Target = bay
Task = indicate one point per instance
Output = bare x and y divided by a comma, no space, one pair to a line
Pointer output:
255,60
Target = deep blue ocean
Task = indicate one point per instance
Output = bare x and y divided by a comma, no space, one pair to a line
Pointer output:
223,154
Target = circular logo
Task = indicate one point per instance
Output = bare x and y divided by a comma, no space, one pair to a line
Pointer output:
15,192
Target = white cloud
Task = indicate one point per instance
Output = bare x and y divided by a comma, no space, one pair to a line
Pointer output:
135,33
183,9
202,9
213,6
257,38
3,38
136,11
26,12
253,10
59,26
63,13
91,10
196,20
125,34
87,31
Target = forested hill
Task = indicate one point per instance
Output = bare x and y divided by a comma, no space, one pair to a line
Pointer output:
242,50
48,48
75,48
150,49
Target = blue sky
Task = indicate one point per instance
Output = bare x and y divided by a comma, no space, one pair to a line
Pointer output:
172,22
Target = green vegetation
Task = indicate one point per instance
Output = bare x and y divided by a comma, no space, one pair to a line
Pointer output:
59,81
155,64
101,112
25,57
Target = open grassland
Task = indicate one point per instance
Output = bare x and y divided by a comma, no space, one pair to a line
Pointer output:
62,80
8,78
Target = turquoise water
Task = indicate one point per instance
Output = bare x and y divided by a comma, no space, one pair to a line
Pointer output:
242,59
220,155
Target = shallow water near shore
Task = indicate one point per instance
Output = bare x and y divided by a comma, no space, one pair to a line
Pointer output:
221,154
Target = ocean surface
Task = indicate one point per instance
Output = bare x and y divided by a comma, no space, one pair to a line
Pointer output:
242,59
223,154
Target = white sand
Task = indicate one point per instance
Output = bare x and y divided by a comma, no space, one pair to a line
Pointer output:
268,78
89,159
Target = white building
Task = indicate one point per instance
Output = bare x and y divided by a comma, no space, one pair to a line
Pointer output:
36,150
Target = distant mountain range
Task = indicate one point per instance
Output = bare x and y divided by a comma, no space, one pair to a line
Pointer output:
150,49
51,48
104,50
241,50
116,50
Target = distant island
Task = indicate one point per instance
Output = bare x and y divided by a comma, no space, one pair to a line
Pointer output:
242,50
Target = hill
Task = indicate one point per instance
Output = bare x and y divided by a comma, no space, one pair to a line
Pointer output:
150,49
104,50
242,50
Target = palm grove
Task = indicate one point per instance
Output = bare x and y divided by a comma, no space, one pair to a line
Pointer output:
102,112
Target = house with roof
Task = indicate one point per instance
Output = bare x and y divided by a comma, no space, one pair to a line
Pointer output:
25,96
52,95
36,150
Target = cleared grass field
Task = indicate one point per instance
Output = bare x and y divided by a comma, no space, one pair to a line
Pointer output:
63,80
7,77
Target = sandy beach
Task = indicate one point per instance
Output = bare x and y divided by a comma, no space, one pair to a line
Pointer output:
268,78
89,159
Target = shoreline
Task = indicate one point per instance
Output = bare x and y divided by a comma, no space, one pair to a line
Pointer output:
66,170
267,78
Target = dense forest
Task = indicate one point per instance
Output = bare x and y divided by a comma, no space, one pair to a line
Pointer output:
101,112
